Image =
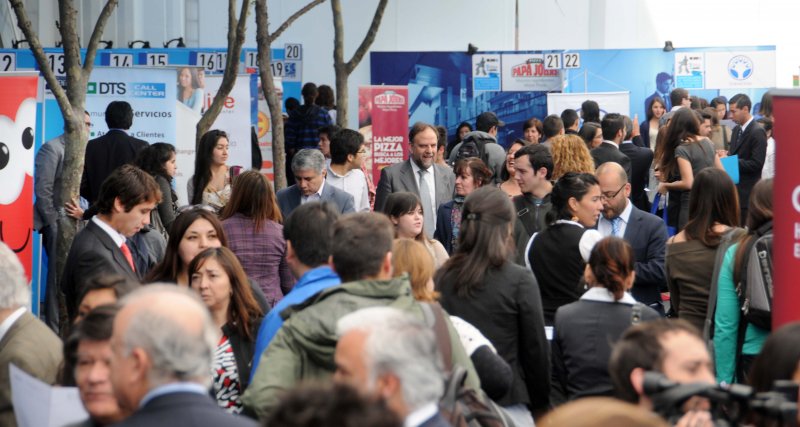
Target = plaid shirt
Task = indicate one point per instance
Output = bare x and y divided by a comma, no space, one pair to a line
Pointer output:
262,254
302,128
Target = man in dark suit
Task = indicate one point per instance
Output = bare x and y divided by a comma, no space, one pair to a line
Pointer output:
376,335
613,132
309,170
439,180
104,246
641,160
749,142
24,340
110,151
162,345
646,233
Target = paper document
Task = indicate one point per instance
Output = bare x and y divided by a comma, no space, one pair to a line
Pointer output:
37,404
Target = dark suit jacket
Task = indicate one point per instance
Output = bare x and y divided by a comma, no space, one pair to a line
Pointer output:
103,155
32,347
649,99
93,252
751,147
647,234
607,152
184,410
444,227
289,199
400,177
641,159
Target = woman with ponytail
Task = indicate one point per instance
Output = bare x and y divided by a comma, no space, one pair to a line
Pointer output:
586,330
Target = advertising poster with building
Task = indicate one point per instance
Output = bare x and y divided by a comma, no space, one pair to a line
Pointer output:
786,195
17,124
383,120
740,69
485,72
689,70
526,72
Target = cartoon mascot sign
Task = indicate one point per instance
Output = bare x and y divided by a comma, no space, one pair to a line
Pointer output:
17,124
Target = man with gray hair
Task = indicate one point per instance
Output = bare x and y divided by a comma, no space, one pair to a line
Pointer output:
389,353
162,348
309,169
24,340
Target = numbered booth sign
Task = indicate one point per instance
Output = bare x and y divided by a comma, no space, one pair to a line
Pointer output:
8,61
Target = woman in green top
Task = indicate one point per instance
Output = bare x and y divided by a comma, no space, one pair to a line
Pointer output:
728,313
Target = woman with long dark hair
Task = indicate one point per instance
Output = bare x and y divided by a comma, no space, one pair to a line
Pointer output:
222,284
728,316
404,209
461,131
193,231
509,184
211,184
586,330
691,253
558,255
252,222
649,127
480,285
471,174
680,158
159,161
592,134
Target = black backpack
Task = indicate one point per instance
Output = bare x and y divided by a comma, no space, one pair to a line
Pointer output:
473,146
754,285
461,406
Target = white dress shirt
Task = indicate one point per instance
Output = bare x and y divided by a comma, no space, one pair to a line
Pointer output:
315,197
6,325
118,238
604,225
421,415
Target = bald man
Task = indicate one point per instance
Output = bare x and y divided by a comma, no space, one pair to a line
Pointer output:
162,347
645,232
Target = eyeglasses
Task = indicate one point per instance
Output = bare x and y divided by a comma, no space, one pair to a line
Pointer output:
187,208
608,195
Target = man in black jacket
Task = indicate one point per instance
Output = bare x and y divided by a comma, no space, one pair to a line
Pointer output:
641,160
534,169
109,151
749,142
613,132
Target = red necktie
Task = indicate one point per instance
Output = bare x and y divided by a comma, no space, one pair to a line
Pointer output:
127,252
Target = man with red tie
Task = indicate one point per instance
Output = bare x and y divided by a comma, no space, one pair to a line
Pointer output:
103,247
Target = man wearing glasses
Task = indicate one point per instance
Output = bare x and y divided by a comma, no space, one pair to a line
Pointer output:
646,233
48,208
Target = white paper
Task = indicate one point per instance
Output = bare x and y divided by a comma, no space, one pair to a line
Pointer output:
37,404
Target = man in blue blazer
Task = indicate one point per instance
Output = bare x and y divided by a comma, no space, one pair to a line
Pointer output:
308,166
646,233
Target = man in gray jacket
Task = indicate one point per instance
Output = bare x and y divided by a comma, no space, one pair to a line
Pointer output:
485,134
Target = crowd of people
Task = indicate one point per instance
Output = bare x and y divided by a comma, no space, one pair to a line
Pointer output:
546,276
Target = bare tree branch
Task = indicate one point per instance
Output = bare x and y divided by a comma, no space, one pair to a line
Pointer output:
293,18
26,27
236,34
264,41
368,38
97,33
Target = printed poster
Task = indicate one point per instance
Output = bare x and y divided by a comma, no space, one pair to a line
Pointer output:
485,72
740,69
526,73
383,120
17,124
689,70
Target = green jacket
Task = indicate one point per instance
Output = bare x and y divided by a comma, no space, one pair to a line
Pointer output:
303,348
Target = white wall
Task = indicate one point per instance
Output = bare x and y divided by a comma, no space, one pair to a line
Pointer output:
449,25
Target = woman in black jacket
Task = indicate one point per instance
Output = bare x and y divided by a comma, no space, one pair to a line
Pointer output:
220,280
480,285
586,329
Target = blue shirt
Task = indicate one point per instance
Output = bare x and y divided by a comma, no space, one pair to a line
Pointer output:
311,283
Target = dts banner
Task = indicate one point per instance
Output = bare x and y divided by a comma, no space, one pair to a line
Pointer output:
786,200
383,120
17,122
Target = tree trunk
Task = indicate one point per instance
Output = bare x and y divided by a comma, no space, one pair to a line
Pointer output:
264,41
344,69
236,34
71,102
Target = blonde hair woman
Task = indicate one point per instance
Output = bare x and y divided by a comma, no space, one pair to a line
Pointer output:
570,155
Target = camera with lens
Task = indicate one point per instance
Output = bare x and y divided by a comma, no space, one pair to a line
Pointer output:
731,405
